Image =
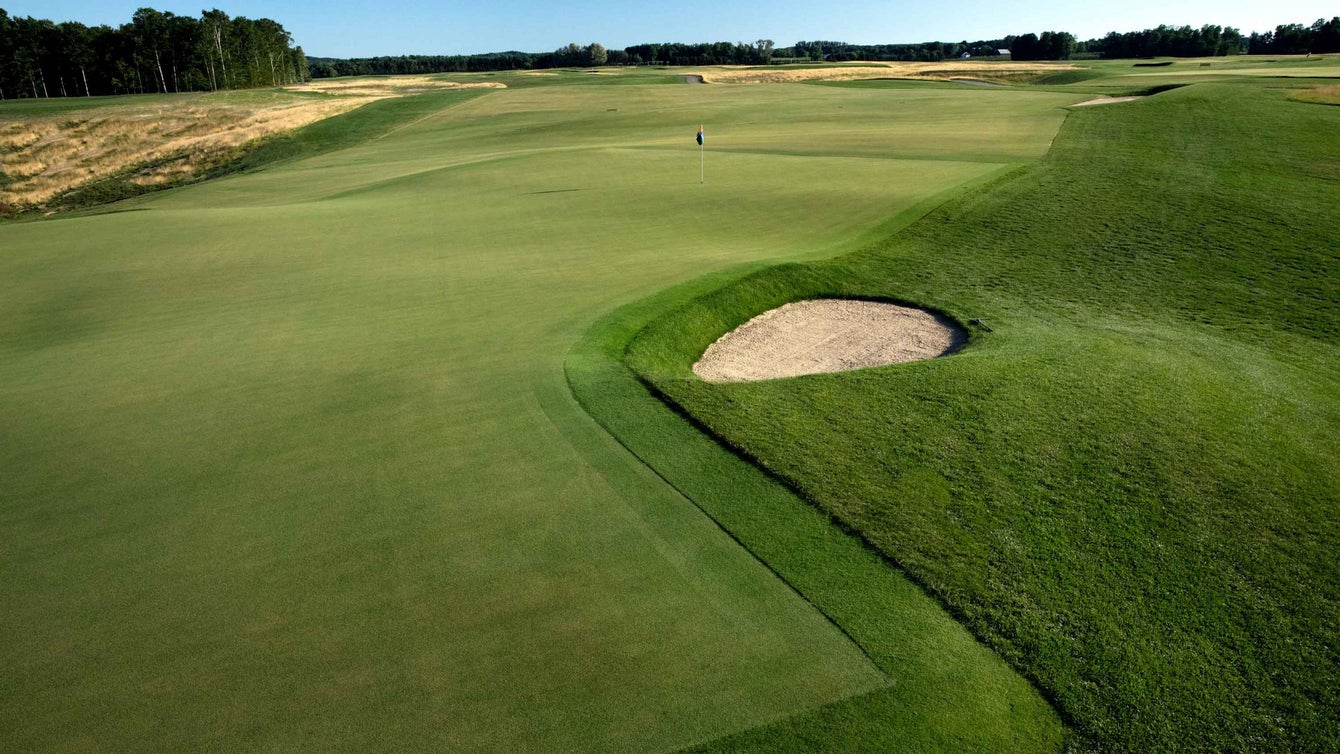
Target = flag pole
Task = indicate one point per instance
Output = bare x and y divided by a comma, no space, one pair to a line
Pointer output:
702,156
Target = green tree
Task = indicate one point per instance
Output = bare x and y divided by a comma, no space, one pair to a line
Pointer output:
77,53
1326,35
149,28
765,48
218,28
8,73
1025,47
185,60
595,54
300,65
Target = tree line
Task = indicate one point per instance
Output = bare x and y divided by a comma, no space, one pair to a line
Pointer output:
162,52
1177,41
1295,39
568,56
1186,42
154,52
1163,41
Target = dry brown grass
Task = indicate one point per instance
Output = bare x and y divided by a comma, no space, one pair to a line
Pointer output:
1322,95
162,144
393,86
990,72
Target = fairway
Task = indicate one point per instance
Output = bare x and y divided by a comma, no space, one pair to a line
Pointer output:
291,461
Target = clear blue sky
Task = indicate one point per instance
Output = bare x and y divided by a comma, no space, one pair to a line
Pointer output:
342,28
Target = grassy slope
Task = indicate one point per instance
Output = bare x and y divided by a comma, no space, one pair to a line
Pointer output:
28,108
290,460
1130,487
371,121
950,693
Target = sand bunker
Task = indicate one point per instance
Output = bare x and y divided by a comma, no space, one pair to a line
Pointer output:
387,86
1106,101
827,335
945,71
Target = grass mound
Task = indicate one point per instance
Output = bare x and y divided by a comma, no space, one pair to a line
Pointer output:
1062,78
949,692
1130,487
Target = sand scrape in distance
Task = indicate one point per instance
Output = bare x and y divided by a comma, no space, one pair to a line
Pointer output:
992,72
827,335
1106,101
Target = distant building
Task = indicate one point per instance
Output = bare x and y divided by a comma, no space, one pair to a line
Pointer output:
1003,53
966,55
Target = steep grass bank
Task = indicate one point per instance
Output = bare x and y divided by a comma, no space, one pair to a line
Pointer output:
1129,488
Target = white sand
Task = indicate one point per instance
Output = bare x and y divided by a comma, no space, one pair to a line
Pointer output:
1106,101
827,335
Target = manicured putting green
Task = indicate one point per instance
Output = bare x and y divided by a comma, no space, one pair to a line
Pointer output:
290,460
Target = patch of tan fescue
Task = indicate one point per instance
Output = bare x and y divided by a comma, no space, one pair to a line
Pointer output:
164,143
393,86
1324,95
43,157
948,70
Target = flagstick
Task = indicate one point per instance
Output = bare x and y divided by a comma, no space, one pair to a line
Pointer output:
702,157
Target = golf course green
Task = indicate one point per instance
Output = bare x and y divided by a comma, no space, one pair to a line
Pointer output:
389,441
291,459
1127,483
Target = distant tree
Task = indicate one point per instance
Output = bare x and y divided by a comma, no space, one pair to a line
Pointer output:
51,54
76,42
1025,47
1326,35
6,54
154,52
30,55
764,47
300,67
1231,42
1060,45
570,55
1291,39
217,28
184,61
149,30
595,54
1052,45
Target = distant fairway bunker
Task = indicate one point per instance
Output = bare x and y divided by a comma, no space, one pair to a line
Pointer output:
1107,101
828,335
